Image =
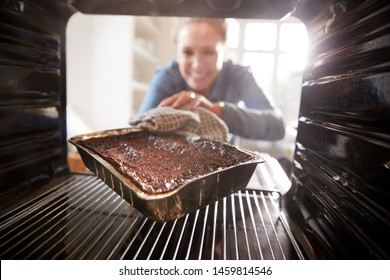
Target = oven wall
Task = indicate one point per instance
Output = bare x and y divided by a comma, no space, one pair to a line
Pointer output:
339,203
32,92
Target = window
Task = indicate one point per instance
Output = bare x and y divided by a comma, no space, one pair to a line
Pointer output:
260,36
276,52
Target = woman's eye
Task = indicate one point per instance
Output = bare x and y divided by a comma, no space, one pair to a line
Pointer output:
209,52
187,52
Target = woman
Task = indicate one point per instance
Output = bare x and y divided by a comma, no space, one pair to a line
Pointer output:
202,77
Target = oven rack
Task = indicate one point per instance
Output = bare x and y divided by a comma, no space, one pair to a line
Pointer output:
79,217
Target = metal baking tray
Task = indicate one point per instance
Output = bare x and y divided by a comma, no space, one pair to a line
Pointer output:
185,199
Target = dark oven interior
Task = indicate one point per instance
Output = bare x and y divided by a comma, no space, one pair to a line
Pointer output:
338,203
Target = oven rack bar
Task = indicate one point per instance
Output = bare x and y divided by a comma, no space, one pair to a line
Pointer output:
82,218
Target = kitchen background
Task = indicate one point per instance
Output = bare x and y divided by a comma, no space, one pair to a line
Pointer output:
115,65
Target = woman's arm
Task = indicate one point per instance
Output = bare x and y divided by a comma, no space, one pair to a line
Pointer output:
248,112
155,93
266,124
165,82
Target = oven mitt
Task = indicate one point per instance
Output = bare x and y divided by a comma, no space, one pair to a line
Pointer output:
166,119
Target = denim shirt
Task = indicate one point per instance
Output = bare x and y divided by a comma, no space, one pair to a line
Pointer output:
248,112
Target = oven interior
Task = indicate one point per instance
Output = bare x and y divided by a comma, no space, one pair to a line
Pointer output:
338,203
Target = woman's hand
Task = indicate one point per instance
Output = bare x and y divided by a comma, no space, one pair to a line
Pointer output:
190,100
183,100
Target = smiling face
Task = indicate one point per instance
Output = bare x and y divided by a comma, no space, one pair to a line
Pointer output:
200,54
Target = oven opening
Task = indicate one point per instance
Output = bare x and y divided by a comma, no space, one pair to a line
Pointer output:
111,61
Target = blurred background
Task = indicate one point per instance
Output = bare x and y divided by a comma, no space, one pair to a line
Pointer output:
115,65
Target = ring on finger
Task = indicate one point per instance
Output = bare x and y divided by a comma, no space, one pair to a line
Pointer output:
192,95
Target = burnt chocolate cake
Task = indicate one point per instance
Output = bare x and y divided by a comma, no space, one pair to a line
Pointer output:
159,163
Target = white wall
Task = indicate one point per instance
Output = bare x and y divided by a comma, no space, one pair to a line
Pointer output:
99,71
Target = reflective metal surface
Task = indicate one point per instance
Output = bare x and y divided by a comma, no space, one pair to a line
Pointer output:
79,217
340,195
275,9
